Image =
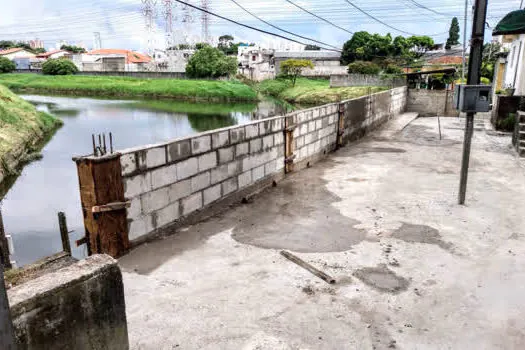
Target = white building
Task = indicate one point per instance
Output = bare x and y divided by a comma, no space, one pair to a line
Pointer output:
16,52
171,60
256,63
326,63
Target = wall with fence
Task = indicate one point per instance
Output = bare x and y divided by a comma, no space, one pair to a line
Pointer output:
349,80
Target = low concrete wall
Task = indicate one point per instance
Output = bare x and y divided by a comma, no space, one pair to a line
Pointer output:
79,307
171,181
429,103
348,80
144,75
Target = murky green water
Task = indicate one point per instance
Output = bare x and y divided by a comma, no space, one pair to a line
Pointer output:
50,185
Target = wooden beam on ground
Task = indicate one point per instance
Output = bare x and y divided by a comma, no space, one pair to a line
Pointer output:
308,267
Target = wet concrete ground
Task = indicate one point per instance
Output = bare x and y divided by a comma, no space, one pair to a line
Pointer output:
414,270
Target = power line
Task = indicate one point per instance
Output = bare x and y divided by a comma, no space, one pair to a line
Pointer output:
321,18
281,29
429,9
247,26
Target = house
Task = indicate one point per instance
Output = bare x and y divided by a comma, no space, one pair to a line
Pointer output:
326,63
509,72
114,60
171,60
16,52
53,54
256,63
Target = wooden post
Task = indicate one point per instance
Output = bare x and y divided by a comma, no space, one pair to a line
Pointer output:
64,233
7,337
289,156
341,125
4,246
101,184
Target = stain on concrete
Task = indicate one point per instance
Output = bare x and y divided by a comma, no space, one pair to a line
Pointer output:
298,215
382,279
380,150
419,135
420,234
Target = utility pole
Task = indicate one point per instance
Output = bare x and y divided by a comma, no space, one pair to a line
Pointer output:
7,337
474,74
205,35
464,42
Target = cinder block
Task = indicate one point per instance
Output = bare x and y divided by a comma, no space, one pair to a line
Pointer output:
325,122
309,138
137,228
164,176
167,215
251,131
179,190
154,200
220,139
207,161
155,157
310,149
191,203
303,129
139,184
301,118
128,163
187,168
278,124
267,141
212,194
311,126
270,167
319,124
242,149
201,144
200,181
308,115
229,186
299,142
333,118
316,112
245,179
237,135
224,172
179,150
135,209
279,163
226,154
278,138
258,173
265,128
280,151
255,145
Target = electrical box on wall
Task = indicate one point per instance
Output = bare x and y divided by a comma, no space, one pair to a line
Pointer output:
472,98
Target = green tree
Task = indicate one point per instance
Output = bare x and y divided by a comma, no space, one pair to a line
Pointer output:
419,45
6,65
354,49
199,46
362,67
39,50
312,48
6,44
209,62
453,34
293,68
59,66
73,49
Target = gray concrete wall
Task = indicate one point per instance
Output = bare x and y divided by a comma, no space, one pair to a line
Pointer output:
169,182
429,103
78,307
348,80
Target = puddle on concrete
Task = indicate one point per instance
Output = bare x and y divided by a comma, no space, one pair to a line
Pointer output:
298,215
382,279
420,234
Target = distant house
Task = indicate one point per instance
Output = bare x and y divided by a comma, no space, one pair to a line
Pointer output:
16,52
256,63
53,54
114,60
510,68
326,62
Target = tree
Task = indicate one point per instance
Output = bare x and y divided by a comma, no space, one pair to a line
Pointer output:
59,66
199,46
6,65
312,48
354,49
39,50
293,68
209,62
361,67
73,49
419,45
453,34
227,45
6,44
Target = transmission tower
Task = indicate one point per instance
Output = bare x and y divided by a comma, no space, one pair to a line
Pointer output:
148,10
205,19
97,41
168,16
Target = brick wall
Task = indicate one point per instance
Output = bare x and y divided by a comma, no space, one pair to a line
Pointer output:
174,180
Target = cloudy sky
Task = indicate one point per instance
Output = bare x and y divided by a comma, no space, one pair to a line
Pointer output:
122,25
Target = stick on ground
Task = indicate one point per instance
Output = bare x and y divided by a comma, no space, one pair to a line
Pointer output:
308,267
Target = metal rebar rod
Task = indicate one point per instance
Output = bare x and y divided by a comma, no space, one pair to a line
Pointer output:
308,267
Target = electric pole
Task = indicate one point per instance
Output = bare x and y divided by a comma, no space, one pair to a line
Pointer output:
7,337
168,16
464,65
474,74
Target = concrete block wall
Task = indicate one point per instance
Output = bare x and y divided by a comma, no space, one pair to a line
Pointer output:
348,80
430,103
170,181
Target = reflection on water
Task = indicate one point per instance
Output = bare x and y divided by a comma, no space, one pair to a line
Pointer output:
50,185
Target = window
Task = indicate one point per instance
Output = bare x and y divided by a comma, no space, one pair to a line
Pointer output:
511,63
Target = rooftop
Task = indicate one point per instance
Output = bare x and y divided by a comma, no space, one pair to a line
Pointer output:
48,54
13,50
512,23
131,56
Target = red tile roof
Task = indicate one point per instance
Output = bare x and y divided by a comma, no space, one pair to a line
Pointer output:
13,50
47,54
131,56
446,60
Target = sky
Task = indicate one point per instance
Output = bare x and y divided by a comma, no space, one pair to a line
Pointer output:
121,23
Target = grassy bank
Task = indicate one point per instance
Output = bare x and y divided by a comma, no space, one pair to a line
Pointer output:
22,131
130,87
312,91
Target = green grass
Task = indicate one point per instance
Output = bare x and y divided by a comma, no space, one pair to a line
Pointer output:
312,91
22,128
214,90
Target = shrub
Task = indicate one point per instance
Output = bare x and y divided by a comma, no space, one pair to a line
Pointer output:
293,68
59,66
209,62
507,124
391,69
363,67
485,81
6,65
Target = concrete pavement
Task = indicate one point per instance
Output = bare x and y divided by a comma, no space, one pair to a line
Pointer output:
414,270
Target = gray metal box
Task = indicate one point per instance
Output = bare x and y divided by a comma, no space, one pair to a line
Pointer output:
472,98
